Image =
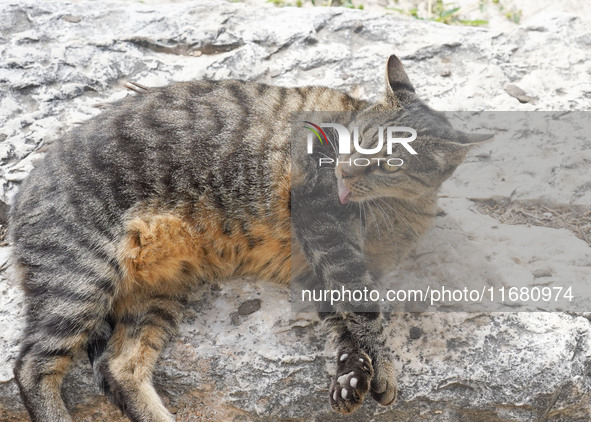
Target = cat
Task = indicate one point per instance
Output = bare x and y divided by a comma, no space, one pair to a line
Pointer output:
195,182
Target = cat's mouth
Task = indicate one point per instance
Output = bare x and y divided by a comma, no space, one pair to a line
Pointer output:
344,192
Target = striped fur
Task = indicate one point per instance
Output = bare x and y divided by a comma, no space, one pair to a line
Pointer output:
188,183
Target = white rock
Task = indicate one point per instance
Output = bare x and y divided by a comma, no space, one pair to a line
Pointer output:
518,366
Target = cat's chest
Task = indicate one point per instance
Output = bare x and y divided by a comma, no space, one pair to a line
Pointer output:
389,238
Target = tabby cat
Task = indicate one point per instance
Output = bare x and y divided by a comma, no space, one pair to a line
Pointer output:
193,182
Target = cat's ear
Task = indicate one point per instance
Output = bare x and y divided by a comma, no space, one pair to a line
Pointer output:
473,139
455,150
399,87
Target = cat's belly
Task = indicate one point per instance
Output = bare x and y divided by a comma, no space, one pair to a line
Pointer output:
168,251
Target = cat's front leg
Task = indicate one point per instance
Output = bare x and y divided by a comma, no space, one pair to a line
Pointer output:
364,362
368,330
354,368
332,239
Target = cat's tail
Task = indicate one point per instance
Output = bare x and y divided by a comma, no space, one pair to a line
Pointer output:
97,344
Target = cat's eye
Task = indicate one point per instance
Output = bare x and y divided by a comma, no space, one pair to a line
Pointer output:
389,168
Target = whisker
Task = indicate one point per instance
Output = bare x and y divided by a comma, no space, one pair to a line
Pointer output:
386,216
404,220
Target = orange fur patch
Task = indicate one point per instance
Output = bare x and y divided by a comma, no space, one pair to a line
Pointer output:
156,248
166,252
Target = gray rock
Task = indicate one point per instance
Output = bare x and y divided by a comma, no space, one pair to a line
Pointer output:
250,306
58,61
520,94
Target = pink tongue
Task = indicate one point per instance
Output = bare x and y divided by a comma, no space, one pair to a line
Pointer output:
343,192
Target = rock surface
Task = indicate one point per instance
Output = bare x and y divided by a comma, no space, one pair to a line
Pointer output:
243,355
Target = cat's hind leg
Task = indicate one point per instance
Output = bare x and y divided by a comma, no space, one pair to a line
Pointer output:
142,327
64,308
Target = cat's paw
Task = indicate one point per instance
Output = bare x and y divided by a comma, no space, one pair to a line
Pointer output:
354,374
383,384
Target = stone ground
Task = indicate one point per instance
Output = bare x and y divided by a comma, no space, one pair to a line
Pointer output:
518,211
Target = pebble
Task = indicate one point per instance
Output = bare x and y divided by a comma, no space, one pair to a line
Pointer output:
520,94
250,306
415,333
539,273
72,18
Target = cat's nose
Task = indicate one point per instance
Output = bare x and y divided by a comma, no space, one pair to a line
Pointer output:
348,170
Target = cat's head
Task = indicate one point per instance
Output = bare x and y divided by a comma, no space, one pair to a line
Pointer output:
439,147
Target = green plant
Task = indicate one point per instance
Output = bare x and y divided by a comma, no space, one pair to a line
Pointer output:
330,3
513,14
447,13
444,14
